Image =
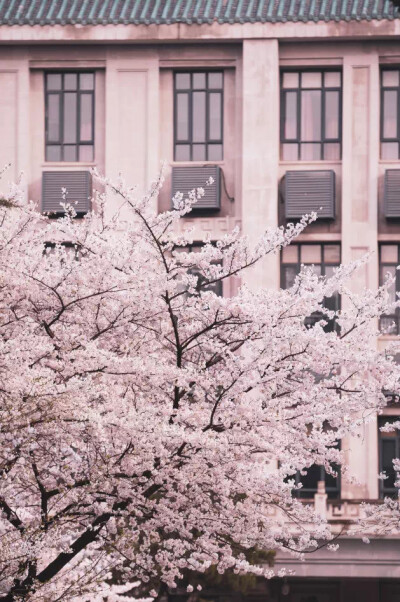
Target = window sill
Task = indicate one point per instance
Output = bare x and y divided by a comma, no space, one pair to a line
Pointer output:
195,163
388,337
320,162
69,164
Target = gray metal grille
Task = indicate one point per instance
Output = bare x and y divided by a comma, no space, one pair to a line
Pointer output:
311,190
185,179
391,193
79,189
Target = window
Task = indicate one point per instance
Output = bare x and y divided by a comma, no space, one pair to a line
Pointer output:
324,257
69,116
215,287
311,108
310,483
389,449
390,110
198,123
389,259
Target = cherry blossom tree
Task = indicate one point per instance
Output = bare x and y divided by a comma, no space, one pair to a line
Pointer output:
150,427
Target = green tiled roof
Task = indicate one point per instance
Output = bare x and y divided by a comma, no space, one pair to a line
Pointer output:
103,12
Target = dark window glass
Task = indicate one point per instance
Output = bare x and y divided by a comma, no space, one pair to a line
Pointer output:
390,107
324,257
311,115
389,259
215,287
389,449
69,116
310,483
198,130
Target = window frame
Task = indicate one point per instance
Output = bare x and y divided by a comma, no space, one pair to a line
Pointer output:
387,491
396,316
208,90
323,140
61,95
331,326
333,493
383,88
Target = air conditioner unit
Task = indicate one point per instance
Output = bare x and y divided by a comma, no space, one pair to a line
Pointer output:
184,179
391,194
78,185
310,190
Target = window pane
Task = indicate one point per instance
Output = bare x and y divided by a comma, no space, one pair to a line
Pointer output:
86,126
199,81
332,115
215,152
389,325
182,117
388,455
199,116
310,480
390,114
290,254
215,113
311,115
331,482
215,80
317,269
390,150
290,152
54,81
289,274
182,152
310,254
384,270
70,81
290,80
389,254
86,81
310,152
332,79
86,152
290,115
70,117
53,153
311,79
182,81
53,118
390,78
70,153
332,254
199,152
332,151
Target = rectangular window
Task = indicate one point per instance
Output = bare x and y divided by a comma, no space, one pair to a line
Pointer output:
69,98
198,116
389,449
310,480
324,257
215,287
389,259
311,115
390,110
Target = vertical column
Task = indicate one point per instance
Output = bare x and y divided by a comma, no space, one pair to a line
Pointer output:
360,225
260,151
14,116
132,101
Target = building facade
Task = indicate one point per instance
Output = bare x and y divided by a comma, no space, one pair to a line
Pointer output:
291,105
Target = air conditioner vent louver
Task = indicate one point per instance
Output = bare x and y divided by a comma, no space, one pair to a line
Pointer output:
391,193
79,190
185,179
311,190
